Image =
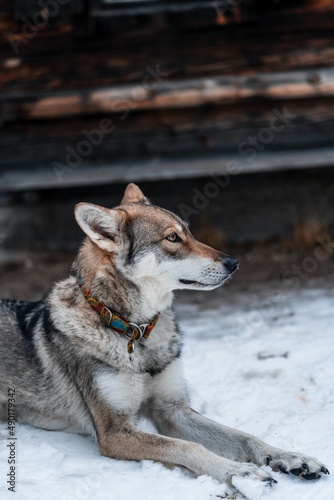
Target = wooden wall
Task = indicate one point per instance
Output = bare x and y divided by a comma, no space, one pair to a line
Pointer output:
173,92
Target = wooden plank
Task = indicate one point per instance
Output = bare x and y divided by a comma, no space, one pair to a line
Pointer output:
182,57
220,165
266,13
155,94
207,9
201,131
291,38
30,8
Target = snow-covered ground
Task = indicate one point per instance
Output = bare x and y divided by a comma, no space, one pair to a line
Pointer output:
263,365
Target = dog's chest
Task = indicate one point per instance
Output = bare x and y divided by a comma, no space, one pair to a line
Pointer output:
124,385
122,392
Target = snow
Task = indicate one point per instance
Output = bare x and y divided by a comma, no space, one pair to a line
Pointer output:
258,363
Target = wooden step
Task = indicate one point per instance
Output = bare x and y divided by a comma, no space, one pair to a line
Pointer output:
224,166
155,94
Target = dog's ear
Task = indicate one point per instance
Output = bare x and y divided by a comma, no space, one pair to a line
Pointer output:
134,195
101,225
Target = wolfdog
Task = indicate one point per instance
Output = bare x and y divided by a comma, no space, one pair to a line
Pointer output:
103,348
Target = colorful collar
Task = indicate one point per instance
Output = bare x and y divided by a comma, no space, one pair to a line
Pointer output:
118,323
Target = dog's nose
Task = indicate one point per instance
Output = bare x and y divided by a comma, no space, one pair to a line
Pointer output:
231,264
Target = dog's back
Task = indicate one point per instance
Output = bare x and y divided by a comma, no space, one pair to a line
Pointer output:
41,397
19,360
14,347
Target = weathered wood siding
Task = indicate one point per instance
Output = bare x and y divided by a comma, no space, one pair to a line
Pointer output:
175,89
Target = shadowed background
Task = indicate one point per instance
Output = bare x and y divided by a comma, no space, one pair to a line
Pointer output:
222,112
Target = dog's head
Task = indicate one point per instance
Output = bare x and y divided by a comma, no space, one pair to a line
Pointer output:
153,247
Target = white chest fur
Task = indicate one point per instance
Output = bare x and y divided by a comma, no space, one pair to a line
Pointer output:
127,392
122,392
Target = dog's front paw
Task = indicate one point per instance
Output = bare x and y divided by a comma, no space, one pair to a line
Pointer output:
308,468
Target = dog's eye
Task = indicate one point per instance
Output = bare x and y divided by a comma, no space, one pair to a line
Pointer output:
174,238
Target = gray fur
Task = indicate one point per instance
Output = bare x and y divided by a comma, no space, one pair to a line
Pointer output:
72,373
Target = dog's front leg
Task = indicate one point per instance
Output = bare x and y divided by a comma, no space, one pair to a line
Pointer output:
130,443
180,421
119,438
